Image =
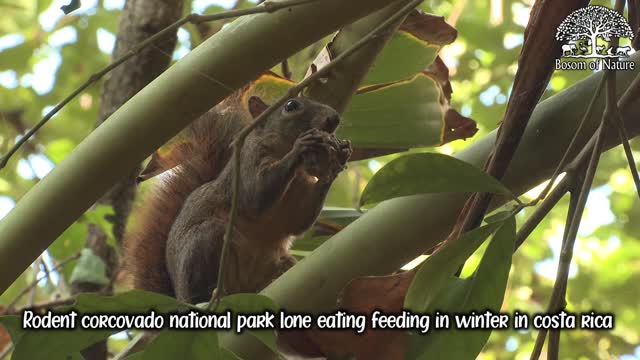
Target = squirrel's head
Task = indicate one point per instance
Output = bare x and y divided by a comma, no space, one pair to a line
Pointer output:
296,116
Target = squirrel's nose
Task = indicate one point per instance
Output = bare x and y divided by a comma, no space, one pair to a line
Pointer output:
331,122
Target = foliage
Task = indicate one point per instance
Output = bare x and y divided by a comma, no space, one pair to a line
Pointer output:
44,56
482,291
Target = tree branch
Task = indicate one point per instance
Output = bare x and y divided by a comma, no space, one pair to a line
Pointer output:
265,7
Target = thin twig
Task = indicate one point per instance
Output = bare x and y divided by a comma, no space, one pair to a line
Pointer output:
541,212
219,292
46,305
553,306
265,7
35,282
624,139
567,152
615,112
286,72
616,121
292,92
34,290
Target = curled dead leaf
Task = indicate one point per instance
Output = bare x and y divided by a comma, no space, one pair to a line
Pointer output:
429,27
439,72
457,126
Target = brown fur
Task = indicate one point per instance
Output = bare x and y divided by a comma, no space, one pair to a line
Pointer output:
287,166
200,161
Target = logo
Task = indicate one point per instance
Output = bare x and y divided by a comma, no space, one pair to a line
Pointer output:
586,34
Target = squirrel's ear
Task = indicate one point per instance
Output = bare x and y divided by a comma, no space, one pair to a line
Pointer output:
256,106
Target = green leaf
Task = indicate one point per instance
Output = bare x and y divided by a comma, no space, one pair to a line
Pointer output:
498,216
404,56
253,304
438,270
309,243
130,302
483,291
223,353
427,173
60,343
90,269
405,114
174,344
74,238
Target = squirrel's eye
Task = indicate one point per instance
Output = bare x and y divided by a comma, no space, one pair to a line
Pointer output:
292,105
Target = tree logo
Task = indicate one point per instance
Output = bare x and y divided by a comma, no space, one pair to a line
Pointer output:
587,33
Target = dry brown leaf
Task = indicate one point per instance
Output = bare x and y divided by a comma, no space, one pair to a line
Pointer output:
430,28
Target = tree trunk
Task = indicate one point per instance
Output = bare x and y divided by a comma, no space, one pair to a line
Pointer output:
140,19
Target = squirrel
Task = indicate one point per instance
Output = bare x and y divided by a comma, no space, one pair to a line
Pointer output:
287,164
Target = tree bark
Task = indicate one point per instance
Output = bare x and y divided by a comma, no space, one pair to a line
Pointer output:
139,20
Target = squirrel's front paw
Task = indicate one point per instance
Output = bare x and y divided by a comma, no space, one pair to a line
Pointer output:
341,151
315,148
344,151
323,155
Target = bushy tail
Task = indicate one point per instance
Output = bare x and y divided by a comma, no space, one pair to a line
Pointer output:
197,158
